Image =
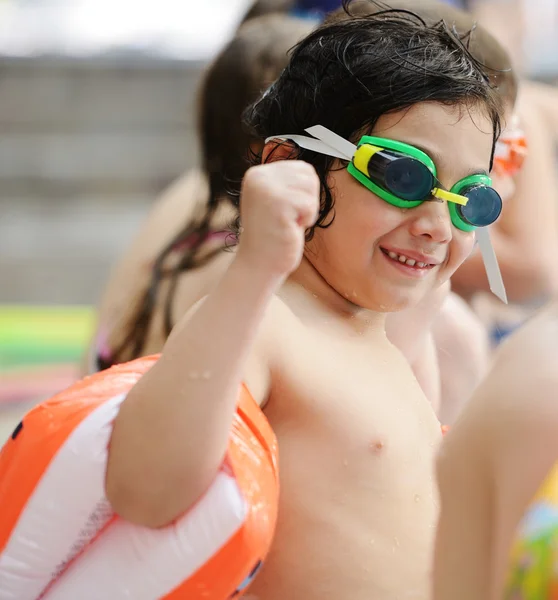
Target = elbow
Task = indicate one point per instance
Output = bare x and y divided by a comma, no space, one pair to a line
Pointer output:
155,471
154,506
149,488
133,505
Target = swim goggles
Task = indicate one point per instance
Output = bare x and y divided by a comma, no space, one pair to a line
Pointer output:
405,176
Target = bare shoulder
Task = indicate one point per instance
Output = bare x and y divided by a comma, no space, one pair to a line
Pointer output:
172,209
131,272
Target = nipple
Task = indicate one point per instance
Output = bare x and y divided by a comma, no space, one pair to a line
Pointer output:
377,446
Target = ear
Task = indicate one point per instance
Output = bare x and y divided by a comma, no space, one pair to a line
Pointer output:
279,150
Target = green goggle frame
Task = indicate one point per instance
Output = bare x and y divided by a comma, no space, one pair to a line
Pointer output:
388,167
472,197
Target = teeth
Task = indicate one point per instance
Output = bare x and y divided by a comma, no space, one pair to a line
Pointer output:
409,261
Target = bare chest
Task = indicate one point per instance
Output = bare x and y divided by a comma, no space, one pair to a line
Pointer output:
351,403
357,440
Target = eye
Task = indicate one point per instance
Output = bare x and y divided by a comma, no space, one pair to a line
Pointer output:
408,179
484,206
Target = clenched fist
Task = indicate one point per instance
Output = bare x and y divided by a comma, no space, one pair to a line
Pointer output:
279,201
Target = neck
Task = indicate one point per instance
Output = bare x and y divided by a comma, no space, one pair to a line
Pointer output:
337,304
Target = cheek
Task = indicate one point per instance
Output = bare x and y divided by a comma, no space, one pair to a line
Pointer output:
363,216
463,244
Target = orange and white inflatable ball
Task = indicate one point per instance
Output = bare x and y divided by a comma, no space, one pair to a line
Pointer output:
60,539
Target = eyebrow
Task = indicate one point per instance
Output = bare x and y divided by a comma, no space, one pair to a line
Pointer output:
437,159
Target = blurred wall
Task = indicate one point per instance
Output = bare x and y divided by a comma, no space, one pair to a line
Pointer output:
86,145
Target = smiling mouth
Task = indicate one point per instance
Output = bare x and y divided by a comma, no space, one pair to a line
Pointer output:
409,262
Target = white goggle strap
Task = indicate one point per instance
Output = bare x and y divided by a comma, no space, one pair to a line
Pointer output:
329,143
491,266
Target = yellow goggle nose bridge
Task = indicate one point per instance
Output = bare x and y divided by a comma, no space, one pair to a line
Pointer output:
450,196
365,152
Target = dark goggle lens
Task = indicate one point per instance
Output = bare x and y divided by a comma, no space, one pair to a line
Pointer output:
408,179
483,208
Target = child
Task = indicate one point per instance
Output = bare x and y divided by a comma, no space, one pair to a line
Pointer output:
156,279
326,251
496,538
140,327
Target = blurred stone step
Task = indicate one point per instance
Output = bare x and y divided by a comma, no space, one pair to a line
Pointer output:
77,125
59,251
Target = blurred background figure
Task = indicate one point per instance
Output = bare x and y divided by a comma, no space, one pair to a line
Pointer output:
159,276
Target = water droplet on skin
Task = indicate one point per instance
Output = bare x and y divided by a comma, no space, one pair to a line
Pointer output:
315,295
345,463
206,375
396,541
382,307
193,375
417,498
372,542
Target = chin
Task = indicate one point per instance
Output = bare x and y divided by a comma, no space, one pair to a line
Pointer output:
394,302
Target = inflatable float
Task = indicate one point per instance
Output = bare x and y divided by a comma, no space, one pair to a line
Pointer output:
60,539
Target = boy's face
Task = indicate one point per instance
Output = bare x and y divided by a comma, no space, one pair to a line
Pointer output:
360,254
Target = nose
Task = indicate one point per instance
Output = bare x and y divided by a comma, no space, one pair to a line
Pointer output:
432,219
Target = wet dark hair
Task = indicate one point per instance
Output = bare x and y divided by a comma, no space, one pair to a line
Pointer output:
349,72
482,45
